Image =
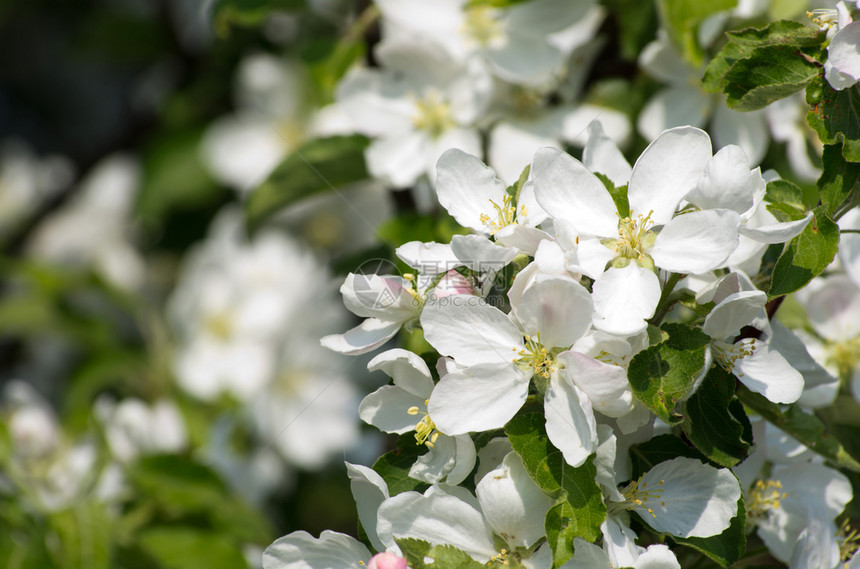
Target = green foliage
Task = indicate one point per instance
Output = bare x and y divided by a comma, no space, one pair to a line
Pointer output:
681,18
444,557
715,420
181,547
759,66
637,22
619,195
806,256
835,116
838,182
320,165
579,509
84,533
394,465
664,373
785,200
247,13
805,427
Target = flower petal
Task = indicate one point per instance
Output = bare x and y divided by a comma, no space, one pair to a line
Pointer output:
564,187
570,423
300,550
733,313
767,372
387,409
369,490
624,299
558,309
407,369
667,171
364,338
696,242
466,186
605,384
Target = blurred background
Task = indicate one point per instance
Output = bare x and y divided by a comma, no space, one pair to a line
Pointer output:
184,184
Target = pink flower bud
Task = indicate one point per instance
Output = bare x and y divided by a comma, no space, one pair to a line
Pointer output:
386,561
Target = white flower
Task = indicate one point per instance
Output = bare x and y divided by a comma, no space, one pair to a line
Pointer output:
300,550
402,407
842,68
499,355
133,428
508,505
589,556
751,360
670,168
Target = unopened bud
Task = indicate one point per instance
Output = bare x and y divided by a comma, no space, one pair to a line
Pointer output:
386,561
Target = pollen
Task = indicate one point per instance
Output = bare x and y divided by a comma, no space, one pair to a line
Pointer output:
426,432
634,239
637,493
501,557
728,355
845,355
505,214
824,18
849,541
433,115
536,358
765,496
482,26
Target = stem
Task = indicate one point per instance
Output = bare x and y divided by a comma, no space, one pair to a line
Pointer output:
665,303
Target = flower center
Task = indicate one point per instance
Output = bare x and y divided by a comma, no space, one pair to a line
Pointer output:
727,355
848,540
506,214
535,358
426,432
637,493
633,241
824,18
764,496
220,325
482,25
844,356
432,115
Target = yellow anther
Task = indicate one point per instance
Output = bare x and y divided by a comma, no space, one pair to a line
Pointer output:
764,496
536,358
433,115
425,429
482,25
506,214
637,494
633,241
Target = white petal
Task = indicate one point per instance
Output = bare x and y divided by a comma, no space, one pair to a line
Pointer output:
465,187
379,296
437,518
602,155
816,547
834,309
558,309
407,369
587,556
696,242
619,542
513,504
624,299
466,139
843,53
570,423
526,239
733,313
767,372
299,550
386,409
566,189
689,498
478,398
428,258
777,232
480,254
657,556
728,183
465,457
398,158
605,384
364,338
667,171
369,490
512,146
819,387
432,466
471,331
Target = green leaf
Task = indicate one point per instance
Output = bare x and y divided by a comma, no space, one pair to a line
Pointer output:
727,547
321,165
579,508
663,374
785,200
179,484
394,466
805,427
681,18
838,180
444,556
247,13
836,119
805,256
745,46
180,547
771,74
84,533
712,426
619,194
414,551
